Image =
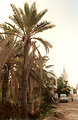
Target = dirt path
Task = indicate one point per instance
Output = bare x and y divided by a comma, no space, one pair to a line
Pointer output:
69,110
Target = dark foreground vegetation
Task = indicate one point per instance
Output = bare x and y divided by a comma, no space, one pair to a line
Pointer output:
11,112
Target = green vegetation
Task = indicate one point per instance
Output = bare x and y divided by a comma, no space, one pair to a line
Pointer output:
62,86
25,88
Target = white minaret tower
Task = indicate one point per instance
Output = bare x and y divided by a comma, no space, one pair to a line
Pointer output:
64,75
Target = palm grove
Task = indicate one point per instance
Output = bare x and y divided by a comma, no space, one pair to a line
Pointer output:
23,76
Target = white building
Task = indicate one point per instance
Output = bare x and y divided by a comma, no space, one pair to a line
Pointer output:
64,75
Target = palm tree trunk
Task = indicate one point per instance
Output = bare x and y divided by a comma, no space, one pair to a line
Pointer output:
24,82
5,84
29,89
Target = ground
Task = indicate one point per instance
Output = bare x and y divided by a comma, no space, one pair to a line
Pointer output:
67,111
62,111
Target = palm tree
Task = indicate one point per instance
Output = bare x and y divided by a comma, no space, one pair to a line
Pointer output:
10,49
26,25
6,45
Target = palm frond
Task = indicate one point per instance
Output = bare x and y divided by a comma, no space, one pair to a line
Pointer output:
42,26
27,13
45,43
17,17
49,66
23,17
8,29
5,55
33,14
8,49
49,44
4,42
40,15
26,9
13,28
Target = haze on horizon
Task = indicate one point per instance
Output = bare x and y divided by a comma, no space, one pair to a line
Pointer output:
64,37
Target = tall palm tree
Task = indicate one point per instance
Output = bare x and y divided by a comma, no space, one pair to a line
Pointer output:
26,25
6,45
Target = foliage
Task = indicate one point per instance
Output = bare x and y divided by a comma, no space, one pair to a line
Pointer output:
19,51
48,98
62,86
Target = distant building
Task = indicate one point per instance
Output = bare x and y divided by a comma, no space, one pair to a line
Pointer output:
64,75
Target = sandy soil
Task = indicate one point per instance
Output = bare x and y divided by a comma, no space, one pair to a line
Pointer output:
68,110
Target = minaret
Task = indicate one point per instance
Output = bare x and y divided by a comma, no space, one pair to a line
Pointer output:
64,75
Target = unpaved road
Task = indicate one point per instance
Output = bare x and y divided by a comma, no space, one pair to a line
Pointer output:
68,110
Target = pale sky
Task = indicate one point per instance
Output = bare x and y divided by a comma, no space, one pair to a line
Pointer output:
64,37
